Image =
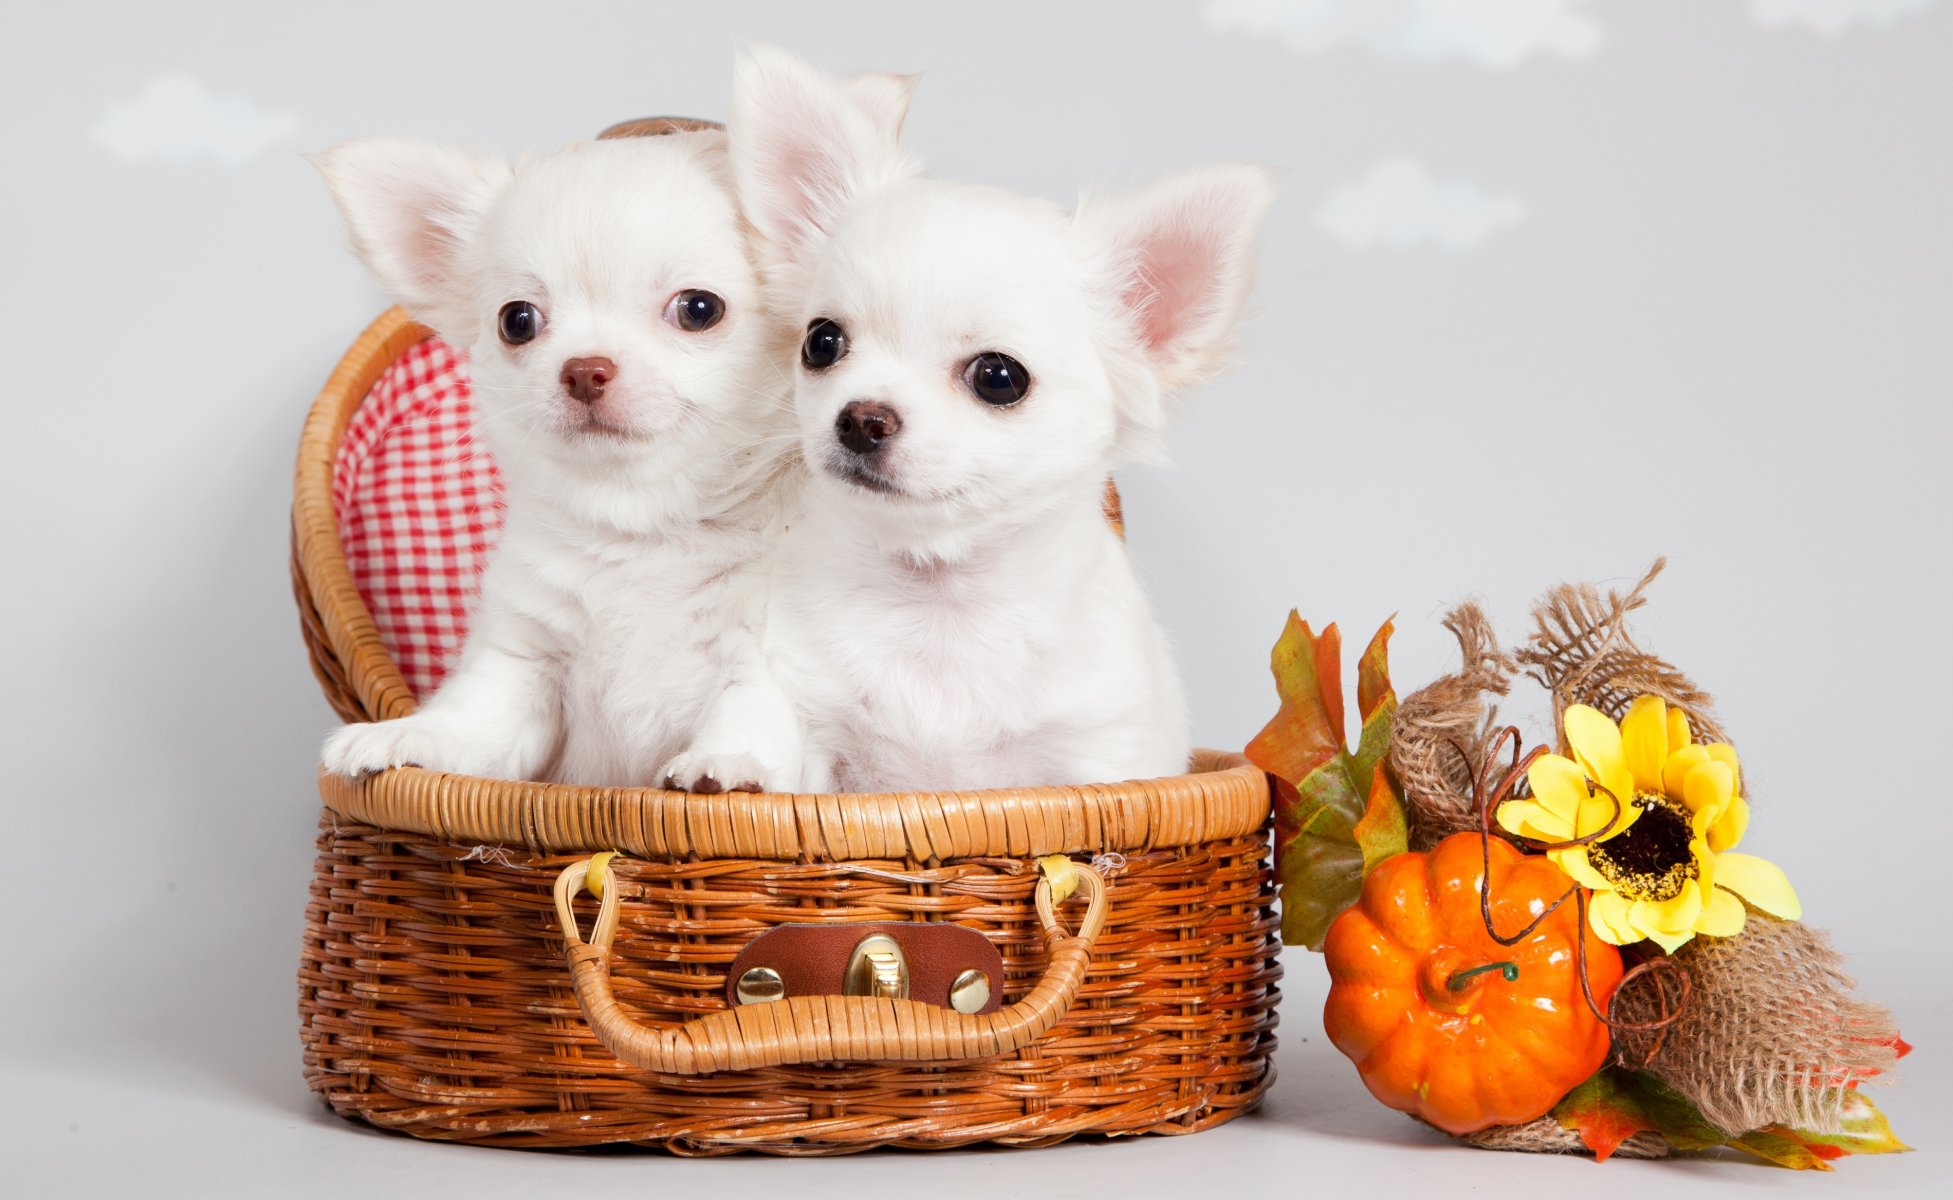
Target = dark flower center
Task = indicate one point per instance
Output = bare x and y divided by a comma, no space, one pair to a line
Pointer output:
1652,859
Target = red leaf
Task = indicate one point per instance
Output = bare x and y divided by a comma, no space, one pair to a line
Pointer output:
1617,1104
1382,831
1324,791
1329,678
1864,1131
1302,736
1373,672
1603,1114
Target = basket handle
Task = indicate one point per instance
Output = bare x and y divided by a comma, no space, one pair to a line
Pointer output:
809,1029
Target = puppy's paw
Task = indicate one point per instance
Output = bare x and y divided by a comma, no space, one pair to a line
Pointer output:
408,741
708,774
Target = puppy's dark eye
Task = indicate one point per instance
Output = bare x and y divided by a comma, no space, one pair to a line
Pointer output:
826,345
519,322
695,311
997,379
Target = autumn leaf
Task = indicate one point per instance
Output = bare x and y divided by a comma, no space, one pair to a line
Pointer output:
1617,1104
1603,1114
1336,813
1865,1131
1382,830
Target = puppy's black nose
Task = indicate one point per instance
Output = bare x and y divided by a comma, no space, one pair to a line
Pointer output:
865,424
586,378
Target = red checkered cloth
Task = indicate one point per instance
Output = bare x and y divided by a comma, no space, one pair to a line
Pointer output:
419,506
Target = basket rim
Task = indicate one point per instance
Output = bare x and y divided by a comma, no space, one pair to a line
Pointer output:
319,564
1222,796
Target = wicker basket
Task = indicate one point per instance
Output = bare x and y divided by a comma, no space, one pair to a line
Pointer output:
445,989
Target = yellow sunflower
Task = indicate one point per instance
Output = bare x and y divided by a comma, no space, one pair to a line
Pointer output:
1664,869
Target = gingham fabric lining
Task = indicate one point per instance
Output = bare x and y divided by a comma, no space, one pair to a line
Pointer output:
419,506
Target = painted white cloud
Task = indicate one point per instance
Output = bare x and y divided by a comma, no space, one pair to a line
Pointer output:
1400,205
178,120
1490,33
1834,17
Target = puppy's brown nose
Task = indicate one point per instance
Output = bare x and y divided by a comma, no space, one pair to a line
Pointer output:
586,378
865,424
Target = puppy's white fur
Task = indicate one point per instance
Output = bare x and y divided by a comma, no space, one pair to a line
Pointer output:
620,609
972,621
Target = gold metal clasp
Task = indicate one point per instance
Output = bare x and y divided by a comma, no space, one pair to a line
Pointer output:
970,992
877,968
761,985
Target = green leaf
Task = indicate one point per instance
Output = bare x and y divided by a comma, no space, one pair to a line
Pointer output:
1865,1131
1382,831
1616,1104
1336,814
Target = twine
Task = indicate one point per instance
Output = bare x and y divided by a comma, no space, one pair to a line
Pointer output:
1547,1136
1776,1036
1759,1029
1437,787
1488,792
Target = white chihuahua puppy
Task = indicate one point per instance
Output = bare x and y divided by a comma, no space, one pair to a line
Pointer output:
608,301
950,608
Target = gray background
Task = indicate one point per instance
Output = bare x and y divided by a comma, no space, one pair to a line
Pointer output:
1679,282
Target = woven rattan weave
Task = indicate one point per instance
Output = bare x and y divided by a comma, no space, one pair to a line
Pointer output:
441,994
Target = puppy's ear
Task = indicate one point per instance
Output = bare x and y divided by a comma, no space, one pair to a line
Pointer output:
413,209
804,145
1178,260
884,97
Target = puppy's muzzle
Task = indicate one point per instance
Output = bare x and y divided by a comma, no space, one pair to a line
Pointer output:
864,426
586,378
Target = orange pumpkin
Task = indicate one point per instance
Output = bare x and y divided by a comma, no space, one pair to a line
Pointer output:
1444,1022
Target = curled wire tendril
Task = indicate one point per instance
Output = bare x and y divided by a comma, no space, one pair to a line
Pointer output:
1492,787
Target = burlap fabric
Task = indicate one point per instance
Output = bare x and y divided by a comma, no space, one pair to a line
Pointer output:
1548,1136
1772,1033
1451,711
1582,652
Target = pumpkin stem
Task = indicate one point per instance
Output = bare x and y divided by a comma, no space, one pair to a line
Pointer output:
1458,982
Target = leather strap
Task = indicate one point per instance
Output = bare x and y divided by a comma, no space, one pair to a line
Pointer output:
812,960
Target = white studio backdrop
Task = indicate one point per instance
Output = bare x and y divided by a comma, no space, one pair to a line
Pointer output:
1552,287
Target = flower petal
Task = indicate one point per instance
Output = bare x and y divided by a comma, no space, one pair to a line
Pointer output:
1760,882
1597,812
1644,742
1671,942
1559,786
1574,863
1675,915
1607,915
1675,773
1729,827
1596,744
1705,862
1708,788
1678,730
1528,819
1723,752
1722,915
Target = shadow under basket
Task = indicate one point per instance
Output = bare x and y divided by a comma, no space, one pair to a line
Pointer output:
446,989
